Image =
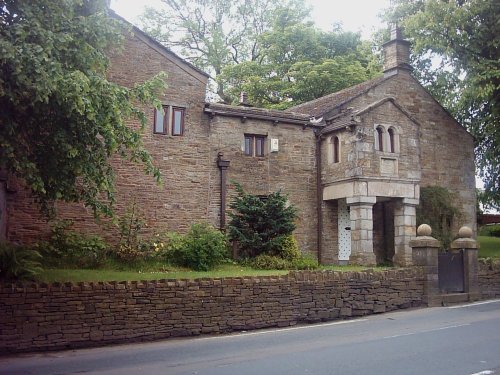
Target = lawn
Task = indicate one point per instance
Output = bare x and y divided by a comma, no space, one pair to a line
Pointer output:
228,270
489,247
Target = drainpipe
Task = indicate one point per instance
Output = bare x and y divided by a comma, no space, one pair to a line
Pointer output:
223,166
319,195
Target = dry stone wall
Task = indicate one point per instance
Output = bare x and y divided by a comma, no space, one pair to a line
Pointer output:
58,316
489,278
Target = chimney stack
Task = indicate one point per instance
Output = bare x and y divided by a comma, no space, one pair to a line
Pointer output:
396,53
244,100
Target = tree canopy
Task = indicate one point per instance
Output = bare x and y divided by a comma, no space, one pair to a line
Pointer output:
61,120
463,34
266,48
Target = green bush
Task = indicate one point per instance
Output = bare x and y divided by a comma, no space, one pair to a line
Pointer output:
18,262
487,230
201,249
67,248
305,262
288,248
132,248
269,262
259,223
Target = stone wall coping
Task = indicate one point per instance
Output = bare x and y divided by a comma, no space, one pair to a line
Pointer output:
424,241
465,243
299,276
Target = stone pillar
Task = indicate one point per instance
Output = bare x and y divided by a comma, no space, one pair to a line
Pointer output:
470,247
425,254
361,215
405,223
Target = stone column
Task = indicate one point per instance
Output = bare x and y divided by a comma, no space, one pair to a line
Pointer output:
361,215
425,254
405,223
470,247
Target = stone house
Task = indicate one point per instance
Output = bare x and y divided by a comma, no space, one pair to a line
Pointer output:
352,162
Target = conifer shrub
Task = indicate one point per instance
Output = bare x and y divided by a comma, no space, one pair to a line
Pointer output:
261,224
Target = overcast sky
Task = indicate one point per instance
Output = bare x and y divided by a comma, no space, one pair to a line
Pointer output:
355,15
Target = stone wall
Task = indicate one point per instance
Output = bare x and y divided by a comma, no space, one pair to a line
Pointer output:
40,317
291,170
489,278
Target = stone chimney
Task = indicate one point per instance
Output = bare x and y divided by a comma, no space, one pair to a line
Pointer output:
244,100
396,53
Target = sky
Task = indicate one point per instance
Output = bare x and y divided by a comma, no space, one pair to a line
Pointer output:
355,15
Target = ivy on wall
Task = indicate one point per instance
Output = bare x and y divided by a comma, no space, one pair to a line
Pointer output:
437,208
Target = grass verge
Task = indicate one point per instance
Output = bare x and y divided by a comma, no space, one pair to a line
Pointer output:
228,270
489,247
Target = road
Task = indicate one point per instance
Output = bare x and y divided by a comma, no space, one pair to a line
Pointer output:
457,340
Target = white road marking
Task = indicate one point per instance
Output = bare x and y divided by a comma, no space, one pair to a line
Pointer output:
486,372
474,304
277,330
426,331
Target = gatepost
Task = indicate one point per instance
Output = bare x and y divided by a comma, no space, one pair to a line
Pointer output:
425,254
470,247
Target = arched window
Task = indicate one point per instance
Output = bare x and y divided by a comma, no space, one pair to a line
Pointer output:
392,140
336,149
379,144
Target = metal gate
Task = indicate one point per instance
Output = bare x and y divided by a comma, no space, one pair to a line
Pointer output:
451,272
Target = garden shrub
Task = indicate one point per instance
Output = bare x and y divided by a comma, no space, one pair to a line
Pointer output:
269,262
258,224
305,262
67,248
18,262
201,249
289,248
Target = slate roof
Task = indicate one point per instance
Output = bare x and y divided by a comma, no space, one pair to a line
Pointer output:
257,113
321,105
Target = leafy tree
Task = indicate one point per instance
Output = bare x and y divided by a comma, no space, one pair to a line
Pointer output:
463,34
254,46
214,34
61,119
260,225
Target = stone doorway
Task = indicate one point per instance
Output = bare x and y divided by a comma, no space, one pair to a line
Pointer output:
344,232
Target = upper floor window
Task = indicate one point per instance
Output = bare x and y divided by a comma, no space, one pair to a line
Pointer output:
379,140
386,139
255,145
177,121
160,120
336,149
392,144
169,120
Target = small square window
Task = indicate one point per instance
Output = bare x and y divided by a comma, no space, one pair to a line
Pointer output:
255,145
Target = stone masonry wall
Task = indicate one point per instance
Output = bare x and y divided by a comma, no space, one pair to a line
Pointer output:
489,278
446,150
58,316
292,169
182,160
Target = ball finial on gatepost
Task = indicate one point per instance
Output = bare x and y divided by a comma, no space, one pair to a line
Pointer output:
424,230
